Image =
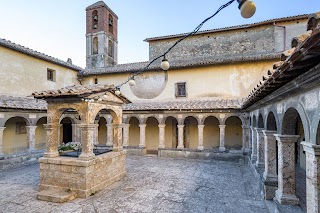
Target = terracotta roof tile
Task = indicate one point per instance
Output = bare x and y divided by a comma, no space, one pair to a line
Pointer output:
10,102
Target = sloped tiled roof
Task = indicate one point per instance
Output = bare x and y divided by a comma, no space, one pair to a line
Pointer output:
237,27
175,64
36,54
79,91
24,103
304,55
184,105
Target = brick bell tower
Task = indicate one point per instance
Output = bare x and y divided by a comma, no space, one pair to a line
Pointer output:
101,36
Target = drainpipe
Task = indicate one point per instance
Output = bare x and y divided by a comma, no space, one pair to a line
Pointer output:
284,35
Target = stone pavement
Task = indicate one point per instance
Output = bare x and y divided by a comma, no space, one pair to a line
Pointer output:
152,185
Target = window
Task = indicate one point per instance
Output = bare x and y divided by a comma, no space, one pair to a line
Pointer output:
95,19
21,128
95,81
110,23
95,46
181,89
51,75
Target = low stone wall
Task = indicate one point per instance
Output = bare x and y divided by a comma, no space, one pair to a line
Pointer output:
131,150
9,161
197,154
82,178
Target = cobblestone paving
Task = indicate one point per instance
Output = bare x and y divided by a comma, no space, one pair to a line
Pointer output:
152,185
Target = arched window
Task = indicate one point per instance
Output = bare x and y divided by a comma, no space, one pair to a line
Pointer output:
110,49
95,45
110,23
95,19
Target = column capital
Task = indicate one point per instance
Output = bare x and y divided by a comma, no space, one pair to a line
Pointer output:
161,125
269,132
87,126
52,126
259,129
142,125
200,126
287,138
245,126
109,125
180,126
311,148
117,125
2,128
222,126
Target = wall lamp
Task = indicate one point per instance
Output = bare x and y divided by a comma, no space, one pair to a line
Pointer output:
247,9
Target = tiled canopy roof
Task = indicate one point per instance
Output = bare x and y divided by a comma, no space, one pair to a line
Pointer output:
304,55
9,102
78,91
185,105
36,54
237,27
175,64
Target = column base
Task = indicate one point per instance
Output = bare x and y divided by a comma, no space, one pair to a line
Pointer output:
222,149
180,147
286,199
86,157
201,148
51,154
259,165
161,146
142,146
109,144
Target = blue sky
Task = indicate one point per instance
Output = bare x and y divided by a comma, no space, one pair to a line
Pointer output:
57,27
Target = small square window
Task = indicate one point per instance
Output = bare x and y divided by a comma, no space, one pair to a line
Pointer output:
51,75
181,89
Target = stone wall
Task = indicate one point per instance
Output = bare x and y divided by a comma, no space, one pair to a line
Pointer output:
83,178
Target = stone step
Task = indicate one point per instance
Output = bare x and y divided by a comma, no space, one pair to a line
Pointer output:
56,196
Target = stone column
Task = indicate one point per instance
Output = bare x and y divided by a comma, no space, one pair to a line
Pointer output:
31,137
96,134
87,131
142,135
1,140
109,135
180,137
222,137
74,132
270,164
161,135
286,193
200,137
52,140
313,176
254,144
126,134
245,139
260,148
117,137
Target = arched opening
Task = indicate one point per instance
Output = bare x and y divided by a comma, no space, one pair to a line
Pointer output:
233,134
95,19
66,130
110,24
102,131
40,138
95,43
292,125
152,136
211,133
110,49
254,121
134,132
171,133
15,135
190,133
271,125
260,122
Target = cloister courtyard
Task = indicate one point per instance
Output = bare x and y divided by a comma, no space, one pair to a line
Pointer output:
152,184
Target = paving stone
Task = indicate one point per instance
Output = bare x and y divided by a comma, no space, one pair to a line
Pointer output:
152,185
